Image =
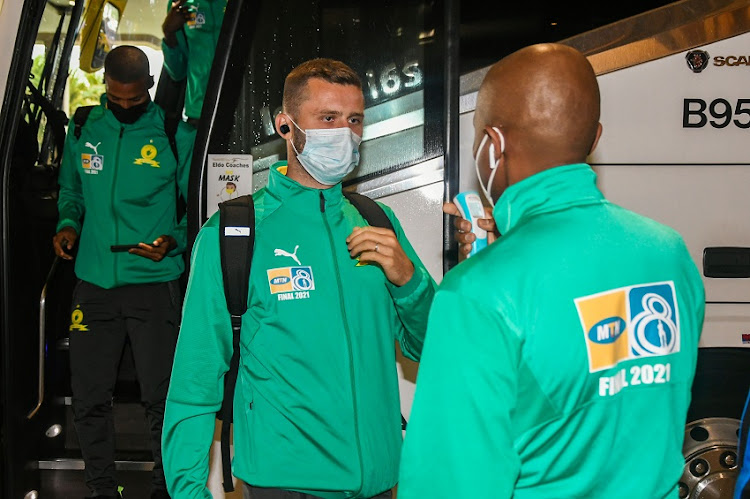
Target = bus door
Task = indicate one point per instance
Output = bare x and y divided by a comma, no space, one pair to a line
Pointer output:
33,134
57,66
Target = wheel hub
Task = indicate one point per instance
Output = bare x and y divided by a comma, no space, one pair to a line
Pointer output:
711,463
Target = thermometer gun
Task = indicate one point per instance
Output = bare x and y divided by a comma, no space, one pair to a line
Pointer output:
470,206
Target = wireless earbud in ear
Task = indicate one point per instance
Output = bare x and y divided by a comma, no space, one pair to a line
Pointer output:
284,128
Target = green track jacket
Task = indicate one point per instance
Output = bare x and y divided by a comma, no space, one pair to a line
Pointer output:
559,360
316,407
194,53
122,181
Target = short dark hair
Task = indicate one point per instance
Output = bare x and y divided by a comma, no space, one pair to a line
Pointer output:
328,70
127,64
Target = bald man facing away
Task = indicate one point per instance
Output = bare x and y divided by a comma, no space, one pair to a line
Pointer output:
558,361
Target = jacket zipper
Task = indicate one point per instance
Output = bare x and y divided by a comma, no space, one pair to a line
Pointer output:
112,199
348,338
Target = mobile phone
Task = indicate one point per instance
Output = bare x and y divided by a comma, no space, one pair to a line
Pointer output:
120,248
469,204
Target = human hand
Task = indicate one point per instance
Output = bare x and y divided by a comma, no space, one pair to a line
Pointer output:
65,239
463,233
377,245
157,250
178,15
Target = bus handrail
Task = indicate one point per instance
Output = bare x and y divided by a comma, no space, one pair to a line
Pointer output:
43,337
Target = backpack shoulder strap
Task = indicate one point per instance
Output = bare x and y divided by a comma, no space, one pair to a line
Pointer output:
171,122
79,119
237,239
236,243
376,217
370,210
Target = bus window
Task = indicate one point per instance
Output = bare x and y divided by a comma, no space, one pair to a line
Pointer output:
45,89
490,31
99,33
392,46
83,65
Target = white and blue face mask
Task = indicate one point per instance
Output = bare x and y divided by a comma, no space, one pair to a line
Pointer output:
330,154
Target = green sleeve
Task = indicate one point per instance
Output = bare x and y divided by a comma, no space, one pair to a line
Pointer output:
413,299
70,199
176,58
459,442
196,389
185,138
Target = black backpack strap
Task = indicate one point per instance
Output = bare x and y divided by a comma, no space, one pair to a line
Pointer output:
79,119
171,122
370,210
376,217
236,242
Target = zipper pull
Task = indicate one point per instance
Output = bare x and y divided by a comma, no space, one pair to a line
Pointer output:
122,130
322,203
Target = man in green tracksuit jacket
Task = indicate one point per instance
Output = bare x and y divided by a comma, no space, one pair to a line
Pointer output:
191,32
118,183
316,408
559,360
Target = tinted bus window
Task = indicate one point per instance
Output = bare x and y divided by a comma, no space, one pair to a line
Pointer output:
492,30
392,46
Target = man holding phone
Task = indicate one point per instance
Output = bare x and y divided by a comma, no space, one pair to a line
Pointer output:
119,169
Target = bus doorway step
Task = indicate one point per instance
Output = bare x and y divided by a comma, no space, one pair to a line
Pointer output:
63,479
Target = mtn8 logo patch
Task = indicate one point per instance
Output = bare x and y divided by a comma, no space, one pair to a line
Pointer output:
288,279
629,323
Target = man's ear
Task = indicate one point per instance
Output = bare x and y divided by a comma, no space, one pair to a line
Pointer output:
596,139
282,125
497,139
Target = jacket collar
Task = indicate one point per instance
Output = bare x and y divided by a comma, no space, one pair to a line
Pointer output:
288,190
148,118
550,190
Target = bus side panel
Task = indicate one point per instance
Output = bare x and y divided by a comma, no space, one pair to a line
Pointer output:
420,213
674,149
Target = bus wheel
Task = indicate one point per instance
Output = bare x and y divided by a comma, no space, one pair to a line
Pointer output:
711,463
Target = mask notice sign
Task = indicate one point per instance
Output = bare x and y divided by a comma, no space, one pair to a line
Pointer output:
229,176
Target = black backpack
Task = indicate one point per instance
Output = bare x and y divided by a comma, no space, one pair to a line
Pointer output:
171,122
235,244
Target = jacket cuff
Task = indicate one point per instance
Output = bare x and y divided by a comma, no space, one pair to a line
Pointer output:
414,284
177,250
68,222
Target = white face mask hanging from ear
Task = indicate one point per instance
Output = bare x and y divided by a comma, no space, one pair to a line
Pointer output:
493,164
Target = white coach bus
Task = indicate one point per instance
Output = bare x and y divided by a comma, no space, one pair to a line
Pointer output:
674,80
